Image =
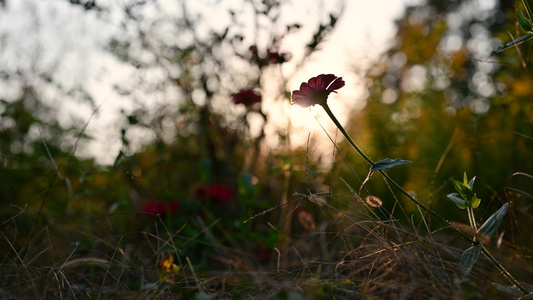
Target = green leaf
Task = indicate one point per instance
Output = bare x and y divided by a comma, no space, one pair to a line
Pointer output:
491,225
528,9
388,163
473,202
524,22
516,42
469,258
113,208
471,182
463,189
457,200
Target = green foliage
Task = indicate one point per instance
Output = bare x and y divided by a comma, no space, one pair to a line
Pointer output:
460,202
466,199
423,106
469,258
491,225
513,43
524,22
436,124
388,163
465,190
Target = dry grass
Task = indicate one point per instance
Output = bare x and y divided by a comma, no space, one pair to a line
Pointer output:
354,252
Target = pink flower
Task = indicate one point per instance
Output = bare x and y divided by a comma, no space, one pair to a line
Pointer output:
317,90
161,207
246,97
215,192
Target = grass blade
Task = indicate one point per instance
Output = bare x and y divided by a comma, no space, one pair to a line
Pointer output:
491,225
516,42
388,163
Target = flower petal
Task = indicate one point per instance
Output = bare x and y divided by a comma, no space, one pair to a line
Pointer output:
327,79
336,84
302,102
306,89
315,83
316,90
301,99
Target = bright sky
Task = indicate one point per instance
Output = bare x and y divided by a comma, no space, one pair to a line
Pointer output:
364,30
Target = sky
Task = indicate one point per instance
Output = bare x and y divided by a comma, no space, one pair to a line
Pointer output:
43,35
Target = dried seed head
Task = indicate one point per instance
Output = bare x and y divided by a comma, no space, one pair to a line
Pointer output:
373,201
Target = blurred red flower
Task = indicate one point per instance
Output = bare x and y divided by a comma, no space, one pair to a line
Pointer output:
246,97
306,219
161,207
274,57
262,252
317,90
215,192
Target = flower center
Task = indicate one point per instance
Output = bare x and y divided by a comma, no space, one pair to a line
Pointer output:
320,97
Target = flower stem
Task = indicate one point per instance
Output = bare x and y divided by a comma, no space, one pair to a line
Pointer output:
334,119
471,218
352,143
470,214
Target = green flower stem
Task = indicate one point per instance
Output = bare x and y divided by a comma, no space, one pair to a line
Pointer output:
352,143
334,119
471,218
485,251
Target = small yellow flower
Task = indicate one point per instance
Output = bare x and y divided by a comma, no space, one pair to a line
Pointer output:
166,267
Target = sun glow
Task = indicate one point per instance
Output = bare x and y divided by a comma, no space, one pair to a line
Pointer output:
352,47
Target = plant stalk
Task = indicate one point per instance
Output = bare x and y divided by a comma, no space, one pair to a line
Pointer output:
505,273
471,218
352,143
485,251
